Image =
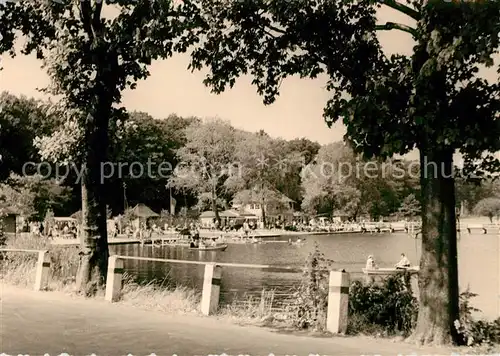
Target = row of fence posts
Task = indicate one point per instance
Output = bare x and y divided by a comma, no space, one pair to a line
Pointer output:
338,296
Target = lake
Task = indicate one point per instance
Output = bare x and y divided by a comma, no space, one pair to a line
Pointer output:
479,263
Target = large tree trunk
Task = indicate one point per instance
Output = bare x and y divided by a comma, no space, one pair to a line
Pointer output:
94,251
93,235
103,92
438,277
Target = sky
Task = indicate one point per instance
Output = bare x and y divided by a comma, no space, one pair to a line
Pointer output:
171,88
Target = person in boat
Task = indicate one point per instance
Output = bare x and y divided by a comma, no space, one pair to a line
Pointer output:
403,263
370,263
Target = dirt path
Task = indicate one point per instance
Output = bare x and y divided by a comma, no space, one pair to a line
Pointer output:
39,323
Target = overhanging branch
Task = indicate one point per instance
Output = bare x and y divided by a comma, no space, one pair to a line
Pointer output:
393,4
96,17
86,18
396,26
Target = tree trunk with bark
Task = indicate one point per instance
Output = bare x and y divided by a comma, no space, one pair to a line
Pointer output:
438,277
93,236
94,251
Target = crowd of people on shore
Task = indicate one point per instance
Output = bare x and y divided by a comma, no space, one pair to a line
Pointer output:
54,230
144,229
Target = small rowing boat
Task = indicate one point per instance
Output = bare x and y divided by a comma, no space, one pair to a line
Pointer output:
221,247
389,271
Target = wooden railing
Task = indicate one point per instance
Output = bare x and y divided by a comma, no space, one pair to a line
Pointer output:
484,228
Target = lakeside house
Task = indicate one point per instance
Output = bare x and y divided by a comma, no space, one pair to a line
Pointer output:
277,207
339,217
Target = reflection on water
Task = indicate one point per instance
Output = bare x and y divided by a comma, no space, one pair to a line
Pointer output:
478,258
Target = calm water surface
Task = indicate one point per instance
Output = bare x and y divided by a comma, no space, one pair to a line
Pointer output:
479,264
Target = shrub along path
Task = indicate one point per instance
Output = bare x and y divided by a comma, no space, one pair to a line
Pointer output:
51,322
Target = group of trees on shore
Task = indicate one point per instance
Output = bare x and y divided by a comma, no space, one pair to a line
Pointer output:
432,99
221,165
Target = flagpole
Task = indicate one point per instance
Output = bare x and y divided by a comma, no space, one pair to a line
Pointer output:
170,191
125,203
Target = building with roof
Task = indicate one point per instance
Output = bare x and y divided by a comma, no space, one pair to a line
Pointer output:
9,217
277,206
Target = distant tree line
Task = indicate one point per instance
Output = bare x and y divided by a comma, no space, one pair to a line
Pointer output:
222,165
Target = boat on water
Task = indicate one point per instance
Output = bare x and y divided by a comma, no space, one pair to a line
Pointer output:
221,247
390,271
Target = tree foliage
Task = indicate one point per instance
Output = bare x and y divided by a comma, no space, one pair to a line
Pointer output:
296,154
22,120
489,207
330,182
340,181
432,99
33,196
471,192
264,163
92,51
145,149
207,161
274,40
410,207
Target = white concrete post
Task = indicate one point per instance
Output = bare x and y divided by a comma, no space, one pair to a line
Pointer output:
42,271
211,289
114,279
338,302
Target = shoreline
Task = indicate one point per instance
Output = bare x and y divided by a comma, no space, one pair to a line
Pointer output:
206,235
171,237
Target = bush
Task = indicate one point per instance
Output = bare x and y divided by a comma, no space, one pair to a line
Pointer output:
388,307
476,332
309,304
